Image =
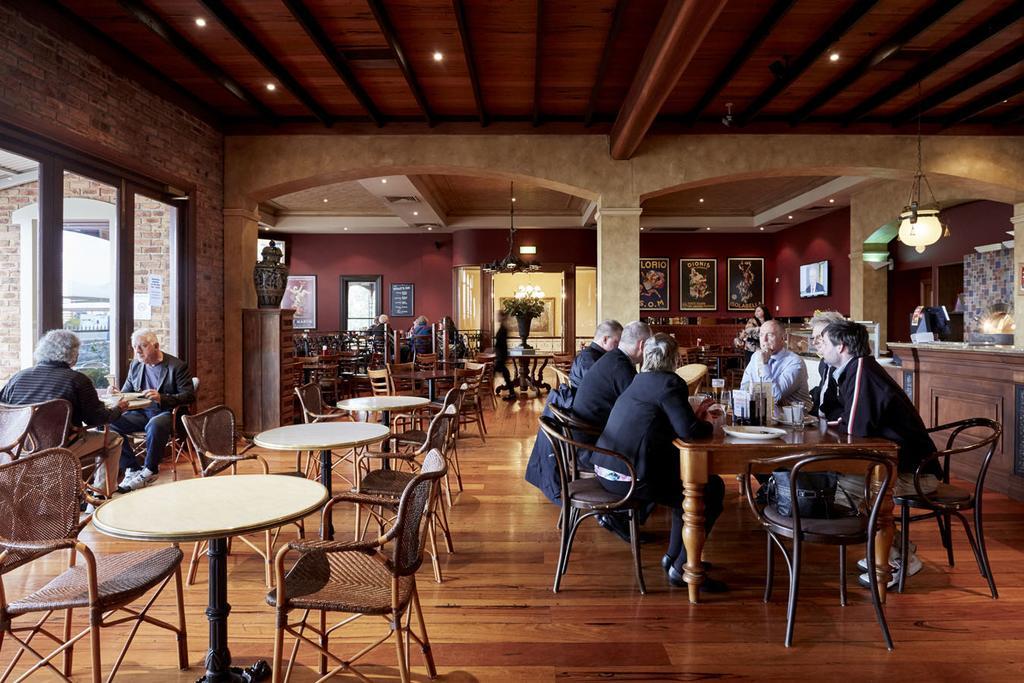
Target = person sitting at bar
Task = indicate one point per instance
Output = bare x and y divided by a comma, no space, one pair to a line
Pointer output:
783,368
606,338
652,412
52,377
420,335
167,382
825,397
874,405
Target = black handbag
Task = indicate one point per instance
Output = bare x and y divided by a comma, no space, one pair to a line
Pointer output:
815,493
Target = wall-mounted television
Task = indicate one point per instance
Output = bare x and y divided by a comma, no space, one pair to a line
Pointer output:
814,279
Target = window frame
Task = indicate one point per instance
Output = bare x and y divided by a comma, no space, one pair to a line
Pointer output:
345,280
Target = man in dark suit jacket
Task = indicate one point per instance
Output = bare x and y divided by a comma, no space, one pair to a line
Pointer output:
606,338
167,382
825,396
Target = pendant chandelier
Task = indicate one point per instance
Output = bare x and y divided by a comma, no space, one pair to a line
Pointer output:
919,227
511,263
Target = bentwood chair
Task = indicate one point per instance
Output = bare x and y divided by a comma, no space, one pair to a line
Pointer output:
358,578
853,528
214,443
40,498
951,500
585,497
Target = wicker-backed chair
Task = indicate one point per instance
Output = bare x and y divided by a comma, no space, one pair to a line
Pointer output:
951,500
311,402
472,411
358,579
13,430
853,528
49,426
40,498
585,497
214,443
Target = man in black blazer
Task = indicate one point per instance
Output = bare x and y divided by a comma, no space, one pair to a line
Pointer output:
825,396
606,338
167,382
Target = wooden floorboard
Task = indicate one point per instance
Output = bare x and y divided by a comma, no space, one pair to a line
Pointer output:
496,619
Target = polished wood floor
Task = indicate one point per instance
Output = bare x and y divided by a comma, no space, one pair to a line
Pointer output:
495,618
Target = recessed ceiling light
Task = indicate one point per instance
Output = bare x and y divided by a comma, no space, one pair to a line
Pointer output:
438,56
430,227
325,200
271,87
415,213
384,180
345,229
641,228
761,228
200,22
790,217
701,200
513,199
834,57
708,228
831,201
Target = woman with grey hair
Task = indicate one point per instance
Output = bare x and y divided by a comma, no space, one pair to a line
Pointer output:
649,415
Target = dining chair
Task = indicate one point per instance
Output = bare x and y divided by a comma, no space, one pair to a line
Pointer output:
314,411
403,385
214,443
14,422
582,498
694,374
380,382
425,361
359,579
949,500
853,527
472,412
39,515
563,361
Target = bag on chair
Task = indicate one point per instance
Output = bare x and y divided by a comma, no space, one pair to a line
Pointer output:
815,492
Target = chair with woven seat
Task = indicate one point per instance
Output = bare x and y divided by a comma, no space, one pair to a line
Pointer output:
314,411
40,498
14,422
359,579
214,443
583,497
853,527
950,500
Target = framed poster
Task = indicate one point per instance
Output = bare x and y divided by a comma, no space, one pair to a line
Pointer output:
403,299
300,295
698,284
745,278
654,284
542,326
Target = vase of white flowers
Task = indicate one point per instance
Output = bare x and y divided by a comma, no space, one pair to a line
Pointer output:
524,306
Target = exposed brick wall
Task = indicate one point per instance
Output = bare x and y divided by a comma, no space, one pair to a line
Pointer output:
12,199
49,79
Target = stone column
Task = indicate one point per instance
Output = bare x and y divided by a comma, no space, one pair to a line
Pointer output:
1018,264
618,256
241,227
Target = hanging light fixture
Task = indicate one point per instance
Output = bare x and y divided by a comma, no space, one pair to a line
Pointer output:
511,263
919,227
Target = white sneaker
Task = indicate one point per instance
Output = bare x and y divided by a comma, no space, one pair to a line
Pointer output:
894,556
913,567
137,480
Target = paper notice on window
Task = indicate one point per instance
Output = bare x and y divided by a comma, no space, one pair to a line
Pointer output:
142,310
156,290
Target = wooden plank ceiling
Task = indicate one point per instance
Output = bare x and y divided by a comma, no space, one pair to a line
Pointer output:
569,65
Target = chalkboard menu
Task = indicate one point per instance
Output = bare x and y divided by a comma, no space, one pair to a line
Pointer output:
402,303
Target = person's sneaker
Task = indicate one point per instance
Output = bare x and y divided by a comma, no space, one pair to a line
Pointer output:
894,556
138,480
913,567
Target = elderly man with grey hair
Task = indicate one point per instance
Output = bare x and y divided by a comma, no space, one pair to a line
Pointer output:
825,397
606,338
776,364
167,383
51,378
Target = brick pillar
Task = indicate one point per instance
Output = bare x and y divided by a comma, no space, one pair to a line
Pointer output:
618,256
240,231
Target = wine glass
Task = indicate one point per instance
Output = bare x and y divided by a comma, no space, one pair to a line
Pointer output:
725,399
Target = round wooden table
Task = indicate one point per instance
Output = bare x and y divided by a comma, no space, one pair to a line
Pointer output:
529,373
212,509
112,400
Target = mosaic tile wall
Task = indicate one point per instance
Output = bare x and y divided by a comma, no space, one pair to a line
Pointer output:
988,278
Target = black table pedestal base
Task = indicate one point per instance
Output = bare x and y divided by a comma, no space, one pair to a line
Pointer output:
260,671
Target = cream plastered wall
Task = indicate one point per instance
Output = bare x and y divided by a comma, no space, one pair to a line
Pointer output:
263,167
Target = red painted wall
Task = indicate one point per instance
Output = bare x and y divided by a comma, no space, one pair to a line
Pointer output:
904,297
970,225
578,246
424,260
823,238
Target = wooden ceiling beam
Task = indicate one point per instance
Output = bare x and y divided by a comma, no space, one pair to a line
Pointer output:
538,44
985,101
157,25
795,69
467,53
740,57
334,57
976,75
602,66
380,13
937,61
248,40
916,25
677,37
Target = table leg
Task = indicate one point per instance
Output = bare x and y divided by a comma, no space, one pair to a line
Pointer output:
540,383
218,657
431,390
385,417
693,466
884,532
325,479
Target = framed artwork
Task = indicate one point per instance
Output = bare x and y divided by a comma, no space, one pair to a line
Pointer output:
654,284
698,284
300,295
746,283
542,326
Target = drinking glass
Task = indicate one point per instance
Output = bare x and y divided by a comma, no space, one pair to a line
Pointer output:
725,399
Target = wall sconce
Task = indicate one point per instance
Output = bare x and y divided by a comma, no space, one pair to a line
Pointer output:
526,249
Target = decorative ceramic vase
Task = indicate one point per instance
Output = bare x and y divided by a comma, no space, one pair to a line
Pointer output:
270,276
524,329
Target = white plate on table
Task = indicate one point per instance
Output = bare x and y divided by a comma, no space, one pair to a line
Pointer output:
754,433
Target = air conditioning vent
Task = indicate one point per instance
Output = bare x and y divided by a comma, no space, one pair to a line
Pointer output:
776,223
672,230
433,226
402,199
819,208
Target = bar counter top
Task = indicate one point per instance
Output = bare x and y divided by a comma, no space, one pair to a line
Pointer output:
896,347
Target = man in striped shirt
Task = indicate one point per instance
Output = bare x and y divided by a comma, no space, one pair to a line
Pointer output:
52,377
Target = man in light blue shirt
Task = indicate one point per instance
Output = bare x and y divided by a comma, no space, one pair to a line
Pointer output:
775,362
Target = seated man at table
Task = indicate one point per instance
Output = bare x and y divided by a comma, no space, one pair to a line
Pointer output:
378,331
164,380
825,396
777,364
606,338
52,377
874,405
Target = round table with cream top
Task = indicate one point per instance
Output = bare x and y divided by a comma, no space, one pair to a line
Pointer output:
212,509
385,405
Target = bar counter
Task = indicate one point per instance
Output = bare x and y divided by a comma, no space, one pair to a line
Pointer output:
950,381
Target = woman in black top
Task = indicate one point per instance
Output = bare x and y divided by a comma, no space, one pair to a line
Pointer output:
652,412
